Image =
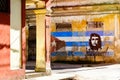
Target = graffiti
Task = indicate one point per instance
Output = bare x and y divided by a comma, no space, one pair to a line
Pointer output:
89,35
95,41
57,45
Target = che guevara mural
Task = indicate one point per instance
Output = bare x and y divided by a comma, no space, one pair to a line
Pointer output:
95,42
74,36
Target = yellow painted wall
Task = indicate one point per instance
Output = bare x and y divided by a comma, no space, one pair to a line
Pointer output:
110,24
53,27
79,25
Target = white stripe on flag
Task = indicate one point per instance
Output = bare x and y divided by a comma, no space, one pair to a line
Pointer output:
76,39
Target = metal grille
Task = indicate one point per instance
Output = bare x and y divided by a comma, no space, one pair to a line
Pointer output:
4,6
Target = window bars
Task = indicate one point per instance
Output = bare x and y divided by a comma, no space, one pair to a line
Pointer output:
4,6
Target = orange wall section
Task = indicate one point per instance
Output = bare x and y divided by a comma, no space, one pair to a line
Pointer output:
5,72
4,41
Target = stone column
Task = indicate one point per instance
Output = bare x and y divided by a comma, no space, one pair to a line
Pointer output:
40,40
48,42
15,35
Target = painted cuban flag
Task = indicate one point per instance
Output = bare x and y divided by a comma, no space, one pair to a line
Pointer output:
80,39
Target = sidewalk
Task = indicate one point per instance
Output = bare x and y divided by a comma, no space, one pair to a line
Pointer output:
107,72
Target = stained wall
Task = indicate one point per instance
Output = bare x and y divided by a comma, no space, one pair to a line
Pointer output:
72,33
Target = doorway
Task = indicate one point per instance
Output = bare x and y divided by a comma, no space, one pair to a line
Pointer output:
31,45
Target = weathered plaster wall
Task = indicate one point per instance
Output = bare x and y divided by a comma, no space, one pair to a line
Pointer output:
82,2
109,33
4,41
78,13
5,72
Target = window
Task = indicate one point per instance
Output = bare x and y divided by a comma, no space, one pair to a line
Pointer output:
95,26
4,5
63,27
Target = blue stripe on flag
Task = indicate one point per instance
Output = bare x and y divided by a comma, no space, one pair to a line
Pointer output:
78,53
108,42
53,54
98,32
77,43
110,53
108,33
85,43
78,33
70,53
87,33
61,34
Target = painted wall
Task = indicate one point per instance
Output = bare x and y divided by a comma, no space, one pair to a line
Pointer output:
5,71
75,39
82,2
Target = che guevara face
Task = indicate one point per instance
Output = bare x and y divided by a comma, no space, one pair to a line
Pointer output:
94,40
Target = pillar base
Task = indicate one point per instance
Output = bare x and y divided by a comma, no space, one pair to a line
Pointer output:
40,70
48,72
37,74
